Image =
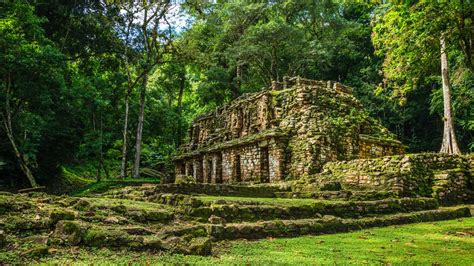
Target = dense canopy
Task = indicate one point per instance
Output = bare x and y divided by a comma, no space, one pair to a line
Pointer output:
108,88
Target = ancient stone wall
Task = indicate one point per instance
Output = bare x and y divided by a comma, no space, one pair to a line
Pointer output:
446,177
285,132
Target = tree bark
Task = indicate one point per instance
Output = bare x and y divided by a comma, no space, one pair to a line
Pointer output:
101,155
7,123
180,107
141,118
123,168
449,145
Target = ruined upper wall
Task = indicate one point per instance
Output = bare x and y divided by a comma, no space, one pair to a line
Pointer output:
256,112
279,106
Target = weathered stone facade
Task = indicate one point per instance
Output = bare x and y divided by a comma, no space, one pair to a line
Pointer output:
284,132
442,176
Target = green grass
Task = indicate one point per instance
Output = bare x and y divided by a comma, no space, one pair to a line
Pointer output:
104,185
266,201
438,243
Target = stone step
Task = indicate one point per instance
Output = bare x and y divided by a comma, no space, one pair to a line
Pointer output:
241,190
339,195
230,212
328,224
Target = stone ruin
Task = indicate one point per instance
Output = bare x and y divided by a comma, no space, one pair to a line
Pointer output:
282,133
346,170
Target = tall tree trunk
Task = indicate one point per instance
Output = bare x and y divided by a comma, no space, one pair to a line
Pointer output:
7,123
182,81
123,168
101,156
141,117
21,161
450,144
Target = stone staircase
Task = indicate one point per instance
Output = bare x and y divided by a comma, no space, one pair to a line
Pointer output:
225,217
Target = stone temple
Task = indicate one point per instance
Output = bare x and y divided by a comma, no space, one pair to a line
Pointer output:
282,133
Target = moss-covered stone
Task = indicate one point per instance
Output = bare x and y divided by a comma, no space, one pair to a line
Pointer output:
26,223
36,252
101,237
121,209
137,215
184,179
82,205
69,232
158,216
447,177
329,224
200,246
61,214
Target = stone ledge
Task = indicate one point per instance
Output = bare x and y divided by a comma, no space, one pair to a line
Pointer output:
391,142
246,140
327,224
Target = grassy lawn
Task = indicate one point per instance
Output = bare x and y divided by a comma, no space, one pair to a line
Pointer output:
438,243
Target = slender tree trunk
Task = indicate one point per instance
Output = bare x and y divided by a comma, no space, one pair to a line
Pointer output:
449,145
123,168
106,170
101,157
180,108
23,165
141,117
239,76
7,123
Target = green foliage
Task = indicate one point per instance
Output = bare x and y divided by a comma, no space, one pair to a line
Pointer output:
64,68
32,81
408,35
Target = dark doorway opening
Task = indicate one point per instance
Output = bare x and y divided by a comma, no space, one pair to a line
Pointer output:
209,171
219,169
264,165
237,170
181,168
200,171
189,169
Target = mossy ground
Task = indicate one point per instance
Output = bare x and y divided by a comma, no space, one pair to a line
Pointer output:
439,243
124,231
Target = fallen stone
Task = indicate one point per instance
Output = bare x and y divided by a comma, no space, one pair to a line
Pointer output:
111,220
40,239
137,231
69,232
21,223
36,252
119,209
158,216
82,205
213,219
200,246
138,216
61,214
154,244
